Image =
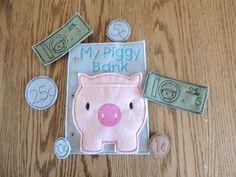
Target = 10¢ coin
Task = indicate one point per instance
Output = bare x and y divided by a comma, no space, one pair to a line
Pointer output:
62,148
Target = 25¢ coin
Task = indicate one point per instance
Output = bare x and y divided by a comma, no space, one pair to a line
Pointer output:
41,92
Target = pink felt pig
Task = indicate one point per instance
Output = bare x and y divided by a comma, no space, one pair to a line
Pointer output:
109,109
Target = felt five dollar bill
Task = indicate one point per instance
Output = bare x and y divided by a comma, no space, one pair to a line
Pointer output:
175,93
61,41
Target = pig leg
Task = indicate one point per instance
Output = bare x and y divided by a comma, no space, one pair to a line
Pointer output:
127,144
91,144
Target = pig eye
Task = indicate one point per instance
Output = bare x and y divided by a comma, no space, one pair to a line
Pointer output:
87,106
131,106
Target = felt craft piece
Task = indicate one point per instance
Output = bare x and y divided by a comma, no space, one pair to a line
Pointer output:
109,108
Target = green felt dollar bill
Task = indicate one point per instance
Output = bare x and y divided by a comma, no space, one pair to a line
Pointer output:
61,41
175,93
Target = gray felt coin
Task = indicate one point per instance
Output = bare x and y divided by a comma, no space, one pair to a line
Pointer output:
62,148
41,92
118,30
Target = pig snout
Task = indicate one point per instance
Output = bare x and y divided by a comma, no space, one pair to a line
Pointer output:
109,114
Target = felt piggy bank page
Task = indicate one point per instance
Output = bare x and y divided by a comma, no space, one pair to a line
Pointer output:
105,110
109,109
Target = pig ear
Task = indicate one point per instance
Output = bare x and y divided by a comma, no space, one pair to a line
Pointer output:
136,78
83,78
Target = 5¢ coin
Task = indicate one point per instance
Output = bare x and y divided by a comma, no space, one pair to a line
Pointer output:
118,30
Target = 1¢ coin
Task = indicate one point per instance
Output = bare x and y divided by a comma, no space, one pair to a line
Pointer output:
159,145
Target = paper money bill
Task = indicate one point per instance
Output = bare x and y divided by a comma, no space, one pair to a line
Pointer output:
61,41
175,93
